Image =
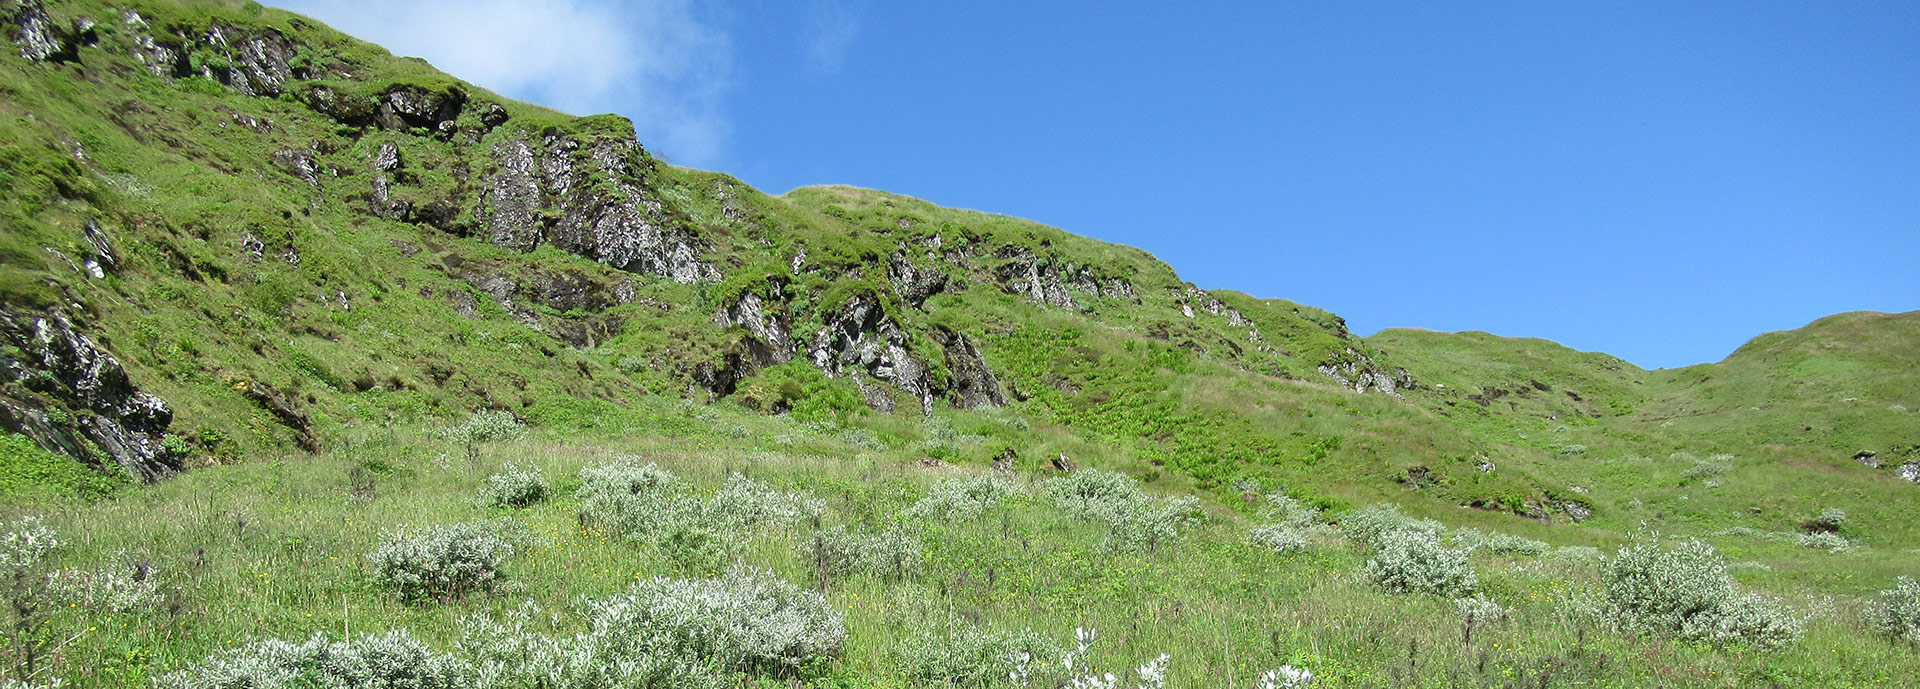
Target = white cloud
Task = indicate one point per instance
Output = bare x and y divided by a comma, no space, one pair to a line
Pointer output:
659,62
831,28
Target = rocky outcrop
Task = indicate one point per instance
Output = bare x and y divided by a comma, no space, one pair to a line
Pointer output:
575,301
584,195
39,37
769,338
973,383
1049,282
1357,371
913,284
859,337
71,396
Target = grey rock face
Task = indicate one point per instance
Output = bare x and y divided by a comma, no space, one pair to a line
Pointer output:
299,163
862,338
61,369
1358,372
1048,283
586,198
258,61
974,384
1577,511
912,283
104,258
159,59
770,342
35,33
1037,280
405,107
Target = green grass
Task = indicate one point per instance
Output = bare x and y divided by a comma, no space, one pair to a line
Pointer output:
276,549
379,330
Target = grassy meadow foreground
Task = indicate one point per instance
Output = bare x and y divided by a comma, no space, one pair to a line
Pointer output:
931,575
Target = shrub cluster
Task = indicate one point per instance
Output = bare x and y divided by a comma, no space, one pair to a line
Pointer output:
746,619
1136,522
965,655
394,660
888,554
1472,540
1409,561
482,426
102,589
443,561
634,499
1370,524
1896,613
517,487
1686,592
961,499
744,503
1290,526
662,634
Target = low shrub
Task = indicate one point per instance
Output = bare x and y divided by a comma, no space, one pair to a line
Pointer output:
887,555
1150,524
1408,561
744,503
1094,494
394,660
745,620
483,426
443,561
1473,540
964,655
1686,592
1279,507
1370,524
512,653
1896,613
102,589
517,487
1823,540
961,499
1829,520
633,499
1281,538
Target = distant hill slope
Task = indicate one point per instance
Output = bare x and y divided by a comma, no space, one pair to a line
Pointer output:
232,231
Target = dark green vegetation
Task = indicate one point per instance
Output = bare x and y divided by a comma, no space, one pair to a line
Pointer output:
235,237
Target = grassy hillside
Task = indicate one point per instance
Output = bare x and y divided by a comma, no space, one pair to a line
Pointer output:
270,297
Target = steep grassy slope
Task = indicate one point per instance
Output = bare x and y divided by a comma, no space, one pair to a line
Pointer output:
265,267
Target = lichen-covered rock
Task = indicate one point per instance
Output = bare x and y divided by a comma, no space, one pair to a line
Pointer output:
298,162
35,32
160,60
1037,280
75,398
912,283
1357,371
255,63
973,383
861,337
770,341
407,106
586,197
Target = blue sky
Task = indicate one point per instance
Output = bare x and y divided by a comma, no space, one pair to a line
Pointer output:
1660,181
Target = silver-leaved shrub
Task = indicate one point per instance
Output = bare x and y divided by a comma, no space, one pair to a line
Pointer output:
1369,525
517,486
1472,540
443,561
1136,521
960,654
1685,591
889,554
1896,613
1408,561
394,660
963,499
745,620
633,499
